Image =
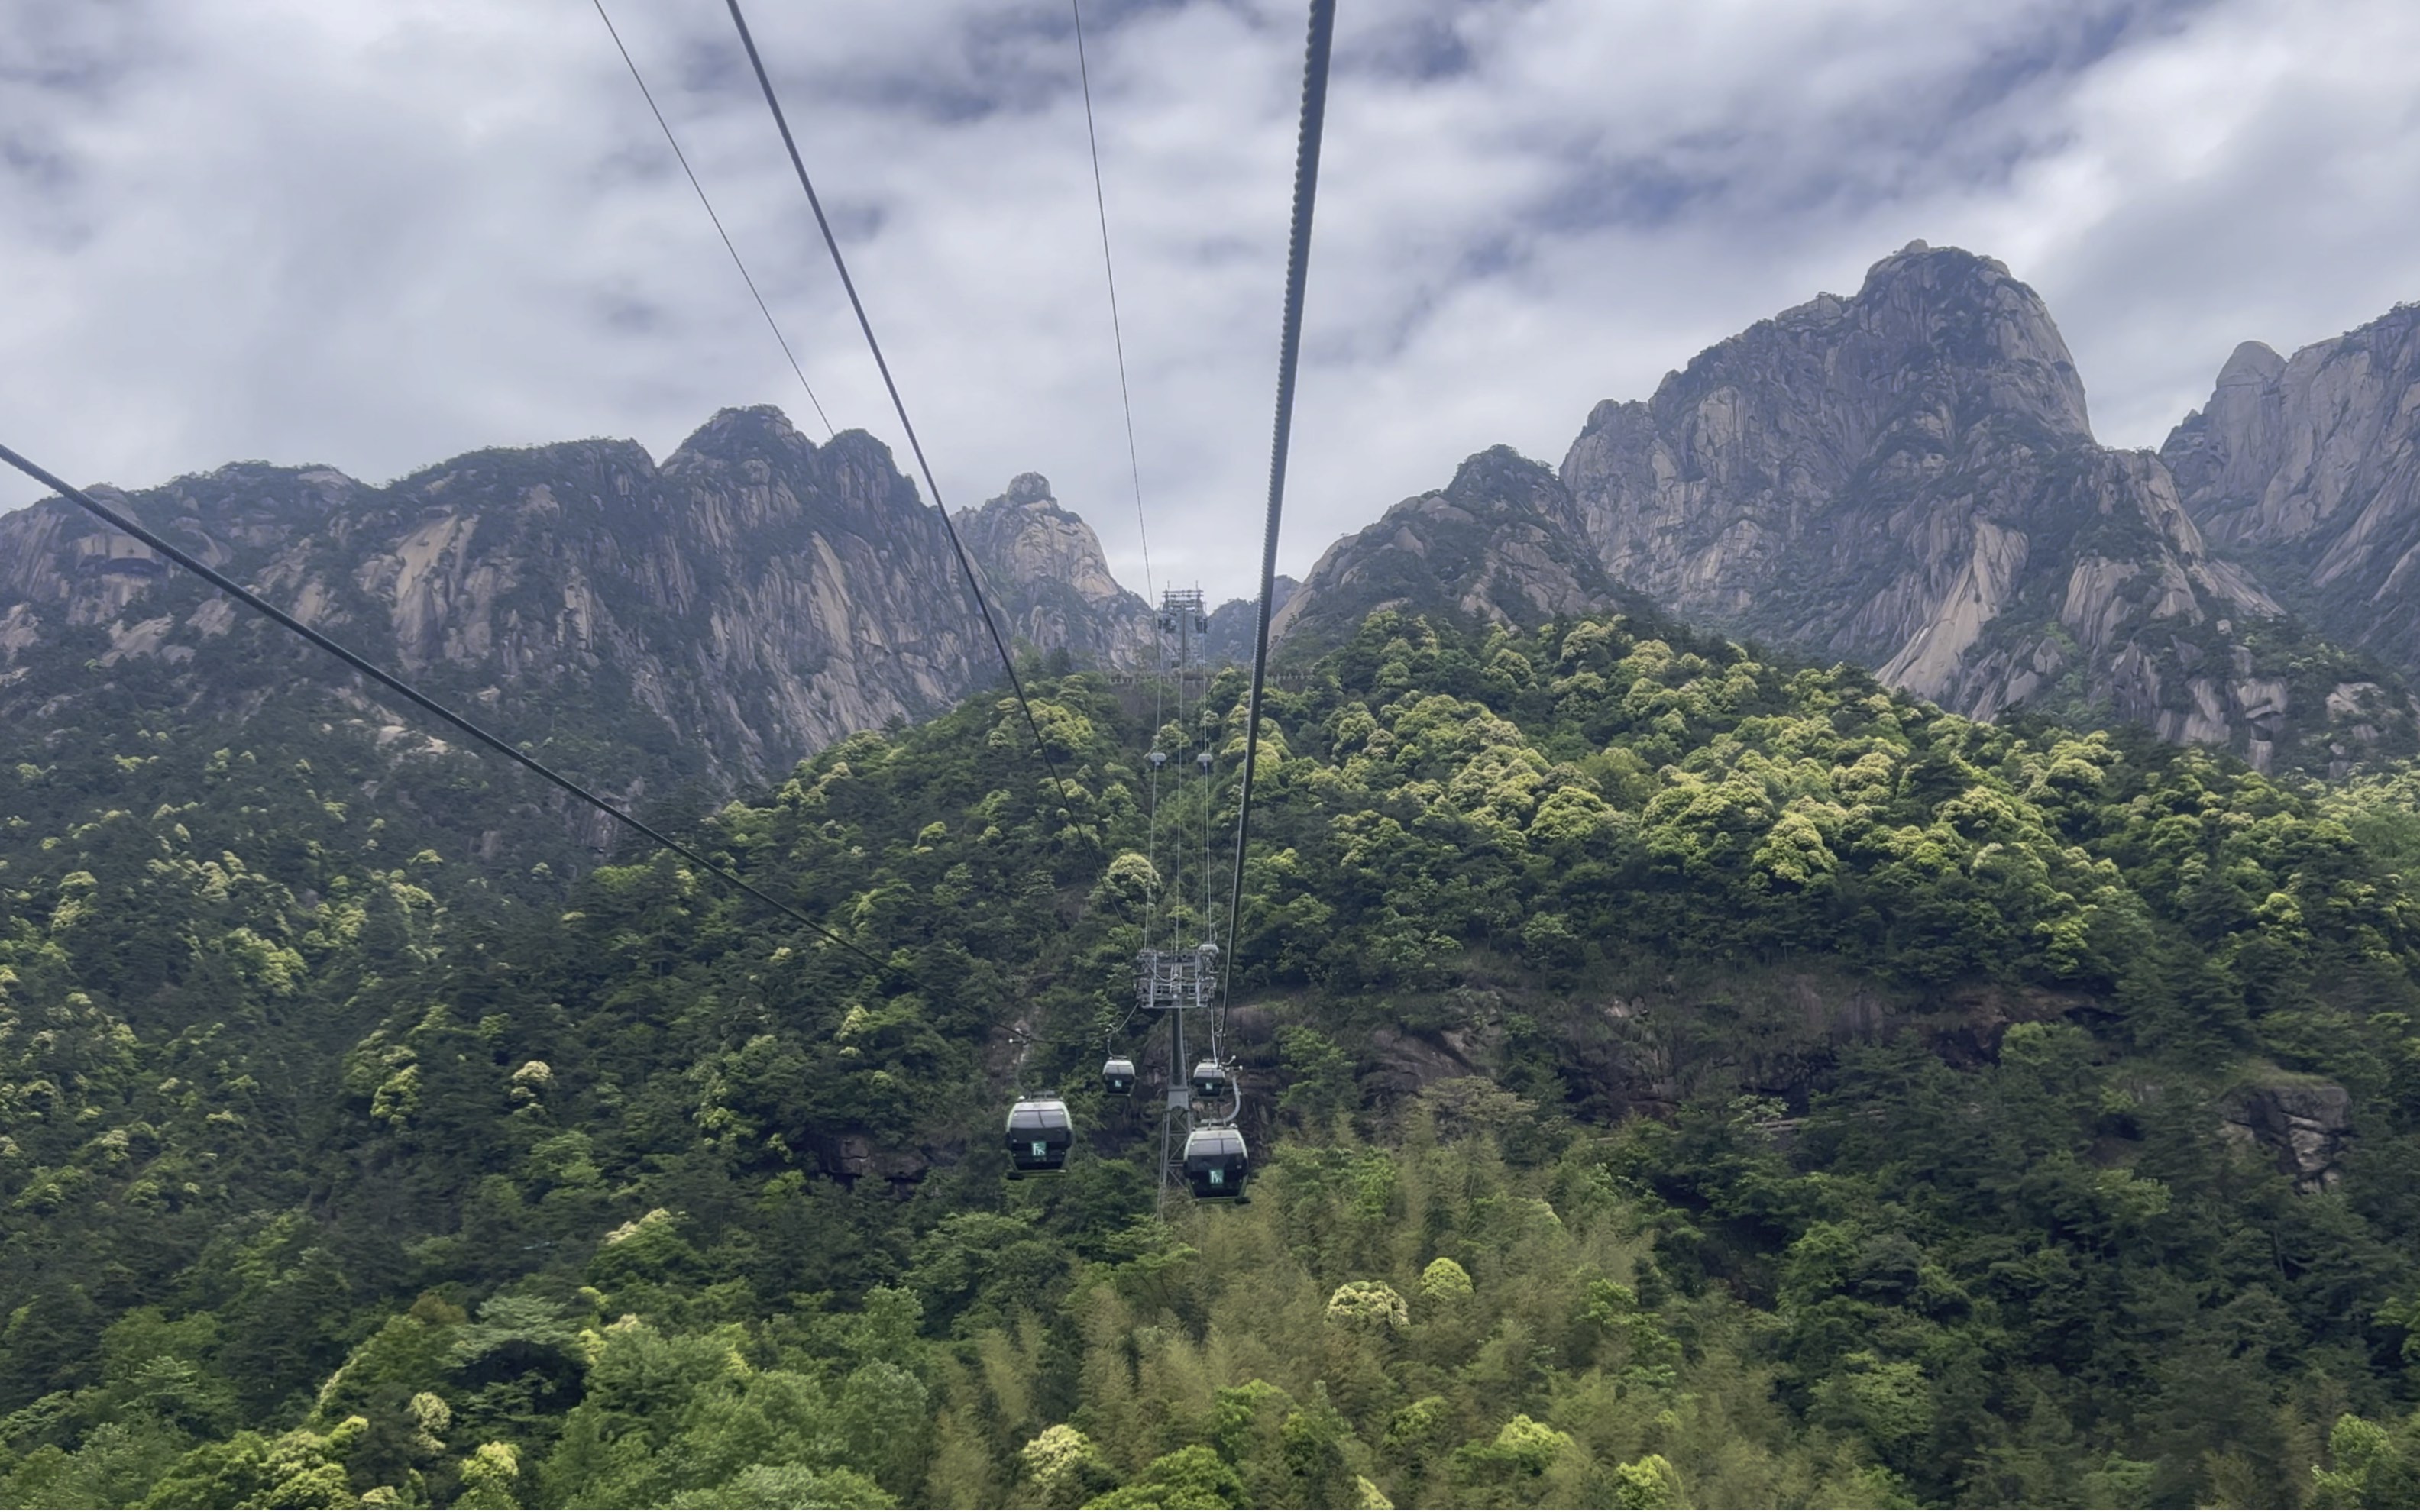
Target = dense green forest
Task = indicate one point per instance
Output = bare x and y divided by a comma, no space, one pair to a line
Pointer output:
1676,1078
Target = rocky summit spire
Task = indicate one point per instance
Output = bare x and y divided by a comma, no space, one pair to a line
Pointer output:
1045,568
2310,468
1907,478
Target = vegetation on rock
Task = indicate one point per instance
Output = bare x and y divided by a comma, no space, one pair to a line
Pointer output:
1676,1079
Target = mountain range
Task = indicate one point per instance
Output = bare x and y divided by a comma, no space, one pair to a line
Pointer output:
1674,1074
1904,478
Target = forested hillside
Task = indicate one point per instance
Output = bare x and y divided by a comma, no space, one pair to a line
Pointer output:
1676,1079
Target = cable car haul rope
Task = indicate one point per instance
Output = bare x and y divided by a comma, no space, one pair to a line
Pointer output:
932,486
1216,1160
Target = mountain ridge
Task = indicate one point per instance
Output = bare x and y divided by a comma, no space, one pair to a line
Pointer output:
1904,478
703,622
2310,468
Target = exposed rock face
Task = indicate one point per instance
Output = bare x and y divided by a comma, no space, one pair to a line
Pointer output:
1236,625
729,611
1045,566
1500,544
2304,1125
1907,479
2311,470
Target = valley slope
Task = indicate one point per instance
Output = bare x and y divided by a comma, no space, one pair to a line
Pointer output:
1674,1078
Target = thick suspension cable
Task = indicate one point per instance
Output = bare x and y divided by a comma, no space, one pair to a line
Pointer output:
1159,717
1110,272
1151,852
932,485
673,142
1306,189
260,606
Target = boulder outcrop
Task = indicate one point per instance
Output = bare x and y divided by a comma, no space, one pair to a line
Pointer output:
2303,1124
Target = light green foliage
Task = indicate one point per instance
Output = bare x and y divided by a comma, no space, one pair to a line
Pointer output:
1445,1283
1191,1477
1522,1451
1887,1401
1368,1305
1649,1482
490,1476
2369,1465
790,1486
299,1468
1128,885
1064,1467
1818,1096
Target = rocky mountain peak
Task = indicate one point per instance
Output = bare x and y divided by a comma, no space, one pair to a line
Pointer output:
739,433
2252,364
1907,478
1501,481
1030,490
711,620
1932,330
2310,468
1795,431
1236,625
1051,578
1502,543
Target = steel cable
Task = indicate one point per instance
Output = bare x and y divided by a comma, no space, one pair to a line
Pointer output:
1306,188
1110,272
682,158
966,564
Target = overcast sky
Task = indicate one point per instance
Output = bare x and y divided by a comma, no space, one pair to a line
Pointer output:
374,235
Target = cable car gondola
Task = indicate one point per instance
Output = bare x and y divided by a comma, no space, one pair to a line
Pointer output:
1217,1162
1211,1081
1039,1135
1118,1076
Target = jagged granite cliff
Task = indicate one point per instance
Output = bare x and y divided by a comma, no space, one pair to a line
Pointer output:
707,621
1044,567
1907,478
1502,543
2310,469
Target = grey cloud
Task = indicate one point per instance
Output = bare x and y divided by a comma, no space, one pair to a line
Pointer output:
374,235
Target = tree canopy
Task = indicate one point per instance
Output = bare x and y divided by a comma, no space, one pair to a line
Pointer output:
1675,1076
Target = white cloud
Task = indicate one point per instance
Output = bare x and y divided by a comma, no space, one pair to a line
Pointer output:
378,236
